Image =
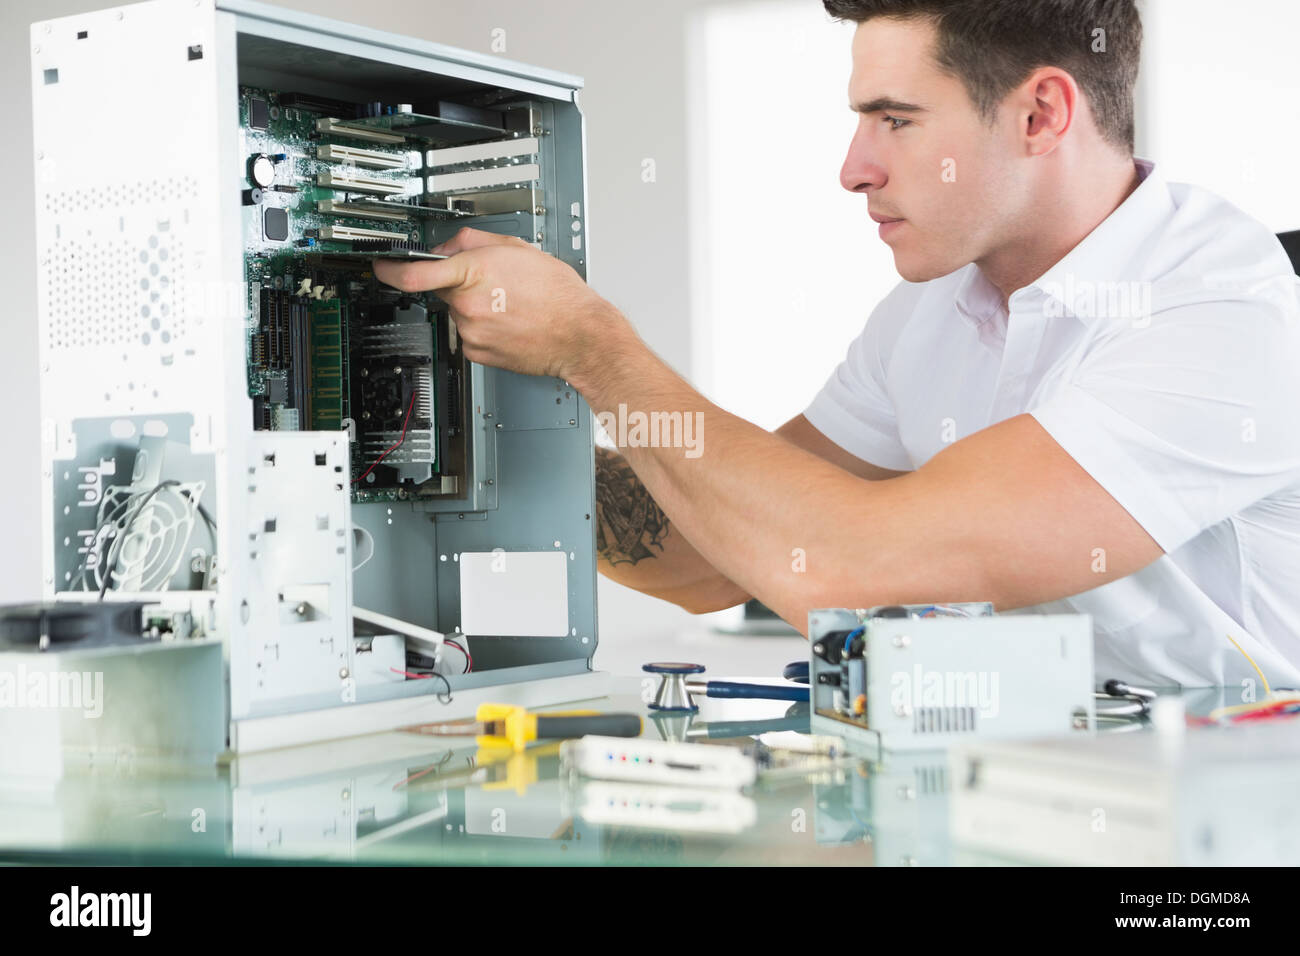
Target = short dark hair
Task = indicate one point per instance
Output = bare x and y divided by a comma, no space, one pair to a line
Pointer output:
992,45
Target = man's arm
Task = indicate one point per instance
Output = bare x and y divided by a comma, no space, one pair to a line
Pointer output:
1004,515
637,546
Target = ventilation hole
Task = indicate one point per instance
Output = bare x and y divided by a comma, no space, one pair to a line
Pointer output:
51,76
195,52
82,34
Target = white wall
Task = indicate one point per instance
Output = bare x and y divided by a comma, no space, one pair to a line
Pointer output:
1220,102
787,264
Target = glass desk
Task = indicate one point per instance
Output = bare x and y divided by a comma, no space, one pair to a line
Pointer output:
405,799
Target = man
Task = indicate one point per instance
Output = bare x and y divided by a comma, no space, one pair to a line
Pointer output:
1083,396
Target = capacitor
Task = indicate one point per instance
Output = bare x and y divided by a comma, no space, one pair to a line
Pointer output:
261,171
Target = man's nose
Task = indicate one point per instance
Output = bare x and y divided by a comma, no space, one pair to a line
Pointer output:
861,170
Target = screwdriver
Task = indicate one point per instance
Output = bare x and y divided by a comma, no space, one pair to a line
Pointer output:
507,725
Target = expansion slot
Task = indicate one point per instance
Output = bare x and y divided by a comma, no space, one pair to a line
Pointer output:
481,152
355,156
333,127
270,302
484,178
357,232
298,356
335,207
360,183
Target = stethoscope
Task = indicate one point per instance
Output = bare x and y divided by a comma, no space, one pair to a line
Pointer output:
1129,704
673,710
674,693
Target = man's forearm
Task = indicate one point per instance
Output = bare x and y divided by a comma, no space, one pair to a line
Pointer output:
793,550
637,547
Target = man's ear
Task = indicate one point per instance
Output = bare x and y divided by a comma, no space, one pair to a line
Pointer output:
1046,106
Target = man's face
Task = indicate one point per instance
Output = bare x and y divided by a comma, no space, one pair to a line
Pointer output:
922,154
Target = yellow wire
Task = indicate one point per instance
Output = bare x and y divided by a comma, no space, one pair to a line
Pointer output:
1269,696
1268,691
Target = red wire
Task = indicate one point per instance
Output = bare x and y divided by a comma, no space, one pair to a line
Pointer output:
411,675
405,422
469,660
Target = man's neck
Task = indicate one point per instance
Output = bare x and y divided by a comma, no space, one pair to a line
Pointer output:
1077,206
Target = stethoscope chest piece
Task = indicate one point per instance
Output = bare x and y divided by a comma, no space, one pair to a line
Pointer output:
672,694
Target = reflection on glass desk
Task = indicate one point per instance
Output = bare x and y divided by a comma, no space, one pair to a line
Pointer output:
400,798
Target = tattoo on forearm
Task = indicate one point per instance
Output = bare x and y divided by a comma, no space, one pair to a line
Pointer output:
628,522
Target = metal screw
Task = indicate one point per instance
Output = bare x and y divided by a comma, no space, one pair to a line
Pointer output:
499,425
540,235
343,672
397,370
573,421
300,610
539,210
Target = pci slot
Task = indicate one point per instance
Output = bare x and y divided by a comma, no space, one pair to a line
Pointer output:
333,127
358,232
298,356
356,156
481,152
484,178
357,210
359,183
270,328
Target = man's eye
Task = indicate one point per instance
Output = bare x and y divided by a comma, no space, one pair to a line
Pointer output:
896,122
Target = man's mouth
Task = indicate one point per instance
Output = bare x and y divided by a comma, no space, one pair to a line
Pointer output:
888,224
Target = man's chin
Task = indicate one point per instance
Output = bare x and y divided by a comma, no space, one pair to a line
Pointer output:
914,269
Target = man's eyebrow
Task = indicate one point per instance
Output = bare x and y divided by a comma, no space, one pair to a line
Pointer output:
885,104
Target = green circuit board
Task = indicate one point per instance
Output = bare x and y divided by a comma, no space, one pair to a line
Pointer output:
305,288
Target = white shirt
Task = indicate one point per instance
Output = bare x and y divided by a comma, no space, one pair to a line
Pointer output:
1163,355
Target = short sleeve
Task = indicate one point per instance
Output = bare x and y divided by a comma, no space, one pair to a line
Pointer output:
854,409
1188,420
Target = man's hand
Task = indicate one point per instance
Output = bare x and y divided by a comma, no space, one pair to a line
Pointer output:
514,307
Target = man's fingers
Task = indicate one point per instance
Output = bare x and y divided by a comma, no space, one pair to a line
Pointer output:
420,275
468,238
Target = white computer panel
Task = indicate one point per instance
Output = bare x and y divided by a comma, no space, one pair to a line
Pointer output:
298,543
137,308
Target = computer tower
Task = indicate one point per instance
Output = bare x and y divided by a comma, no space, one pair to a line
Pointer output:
227,392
